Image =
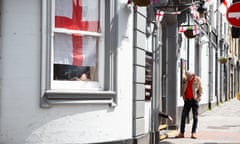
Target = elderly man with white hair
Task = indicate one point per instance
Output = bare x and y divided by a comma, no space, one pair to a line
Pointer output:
191,91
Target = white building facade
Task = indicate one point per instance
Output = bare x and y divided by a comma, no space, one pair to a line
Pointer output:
98,71
39,105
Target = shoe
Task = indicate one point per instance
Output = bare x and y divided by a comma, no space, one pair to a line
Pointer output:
194,136
181,135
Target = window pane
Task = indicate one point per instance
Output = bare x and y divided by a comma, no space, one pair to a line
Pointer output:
75,50
76,56
70,72
77,15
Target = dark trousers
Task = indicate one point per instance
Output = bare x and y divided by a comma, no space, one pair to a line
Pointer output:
188,105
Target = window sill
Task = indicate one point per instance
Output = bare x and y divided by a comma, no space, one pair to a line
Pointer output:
54,97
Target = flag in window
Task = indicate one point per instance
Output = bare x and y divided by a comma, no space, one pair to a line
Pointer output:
78,15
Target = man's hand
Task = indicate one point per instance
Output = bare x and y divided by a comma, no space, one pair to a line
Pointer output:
198,99
170,118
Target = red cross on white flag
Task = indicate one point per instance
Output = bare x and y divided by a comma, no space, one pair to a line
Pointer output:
76,49
159,15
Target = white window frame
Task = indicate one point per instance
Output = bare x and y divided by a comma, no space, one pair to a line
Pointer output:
81,85
62,92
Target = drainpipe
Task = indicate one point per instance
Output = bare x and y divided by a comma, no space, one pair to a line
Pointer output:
152,24
216,63
188,42
155,99
210,74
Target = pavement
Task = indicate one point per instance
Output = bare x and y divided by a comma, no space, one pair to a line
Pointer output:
221,125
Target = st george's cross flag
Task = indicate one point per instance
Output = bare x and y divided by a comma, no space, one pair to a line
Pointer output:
159,15
76,49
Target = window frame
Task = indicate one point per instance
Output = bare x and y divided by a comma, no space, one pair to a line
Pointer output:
50,96
83,85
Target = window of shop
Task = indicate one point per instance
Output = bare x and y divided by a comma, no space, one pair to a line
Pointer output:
75,63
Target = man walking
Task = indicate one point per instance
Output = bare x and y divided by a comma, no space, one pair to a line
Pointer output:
191,91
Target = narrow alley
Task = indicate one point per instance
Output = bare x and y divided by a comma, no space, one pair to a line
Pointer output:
221,125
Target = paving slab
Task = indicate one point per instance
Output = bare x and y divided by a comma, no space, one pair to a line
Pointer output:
221,125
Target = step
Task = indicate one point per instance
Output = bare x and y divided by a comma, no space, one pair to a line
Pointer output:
167,133
164,132
162,126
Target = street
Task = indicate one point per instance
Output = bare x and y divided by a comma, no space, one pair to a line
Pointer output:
221,125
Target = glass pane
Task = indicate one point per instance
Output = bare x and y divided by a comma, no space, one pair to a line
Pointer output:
70,72
77,15
73,54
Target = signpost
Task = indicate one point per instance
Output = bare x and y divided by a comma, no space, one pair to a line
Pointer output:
233,14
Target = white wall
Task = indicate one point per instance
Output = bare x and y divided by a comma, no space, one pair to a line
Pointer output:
192,49
204,68
205,72
21,118
214,72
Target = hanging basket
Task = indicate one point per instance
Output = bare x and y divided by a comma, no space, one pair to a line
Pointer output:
141,2
223,60
189,33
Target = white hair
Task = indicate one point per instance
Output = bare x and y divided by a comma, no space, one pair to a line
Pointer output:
189,72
